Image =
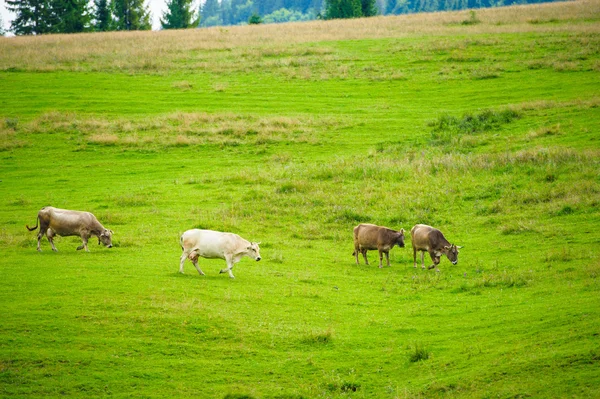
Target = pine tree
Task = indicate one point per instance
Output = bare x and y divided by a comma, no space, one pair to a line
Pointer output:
210,13
343,9
102,16
70,16
369,8
178,15
32,16
131,15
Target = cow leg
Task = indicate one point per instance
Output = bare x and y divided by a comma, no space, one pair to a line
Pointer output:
230,264
387,257
436,261
380,259
195,262
39,237
50,235
84,241
356,251
422,259
181,261
364,254
415,257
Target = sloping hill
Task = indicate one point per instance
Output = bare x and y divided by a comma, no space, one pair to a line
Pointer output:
484,125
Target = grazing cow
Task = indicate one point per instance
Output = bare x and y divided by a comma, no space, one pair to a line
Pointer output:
216,245
53,221
371,237
426,238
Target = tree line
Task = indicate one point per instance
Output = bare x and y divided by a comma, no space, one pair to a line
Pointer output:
37,17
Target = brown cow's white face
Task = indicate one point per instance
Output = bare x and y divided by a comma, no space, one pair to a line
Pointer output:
452,253
106,238
253,251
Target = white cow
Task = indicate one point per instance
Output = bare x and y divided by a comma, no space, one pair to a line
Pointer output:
216,245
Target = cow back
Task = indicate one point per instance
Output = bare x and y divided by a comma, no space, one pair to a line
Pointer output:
371,236
427,238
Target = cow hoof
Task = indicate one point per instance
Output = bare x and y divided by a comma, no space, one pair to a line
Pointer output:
54,249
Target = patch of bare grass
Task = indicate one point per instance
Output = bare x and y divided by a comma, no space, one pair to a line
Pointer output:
177,130
103,139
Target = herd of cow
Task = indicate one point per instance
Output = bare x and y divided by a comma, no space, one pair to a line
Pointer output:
231,247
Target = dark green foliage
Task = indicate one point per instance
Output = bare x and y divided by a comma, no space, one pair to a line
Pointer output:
418,353
102,16
448,127
130,15
71,16
255,19
36,17
33,17
343,9
178,15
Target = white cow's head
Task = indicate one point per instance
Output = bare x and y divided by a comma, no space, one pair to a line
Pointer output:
106,238
253,251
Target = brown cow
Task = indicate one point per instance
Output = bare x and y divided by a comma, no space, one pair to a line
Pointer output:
426,238
53,221
371,237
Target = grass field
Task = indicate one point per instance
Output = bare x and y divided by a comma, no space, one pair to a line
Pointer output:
486,127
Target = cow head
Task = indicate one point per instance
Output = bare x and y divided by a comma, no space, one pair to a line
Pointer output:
400,239
106,238
451,252
253,251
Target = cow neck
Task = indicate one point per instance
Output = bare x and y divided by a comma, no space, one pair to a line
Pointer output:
97,229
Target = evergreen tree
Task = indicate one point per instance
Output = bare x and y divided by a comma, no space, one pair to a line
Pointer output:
70,16
210,13
178,15
369,8
343,9
102,16
2,31
32,16
131,15
255,19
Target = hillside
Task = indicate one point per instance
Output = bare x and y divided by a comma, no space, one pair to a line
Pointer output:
482,124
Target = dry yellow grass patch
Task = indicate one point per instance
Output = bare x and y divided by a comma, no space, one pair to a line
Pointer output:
103,139
199,49
177,129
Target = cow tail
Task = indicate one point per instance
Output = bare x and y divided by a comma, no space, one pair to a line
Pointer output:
36,224
181,242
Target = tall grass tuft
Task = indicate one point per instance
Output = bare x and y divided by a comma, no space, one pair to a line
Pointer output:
418,353
319,338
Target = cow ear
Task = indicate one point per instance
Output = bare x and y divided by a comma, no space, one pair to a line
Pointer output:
458,247
102,234
402,231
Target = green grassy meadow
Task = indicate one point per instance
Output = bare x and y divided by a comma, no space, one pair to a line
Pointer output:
488,131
